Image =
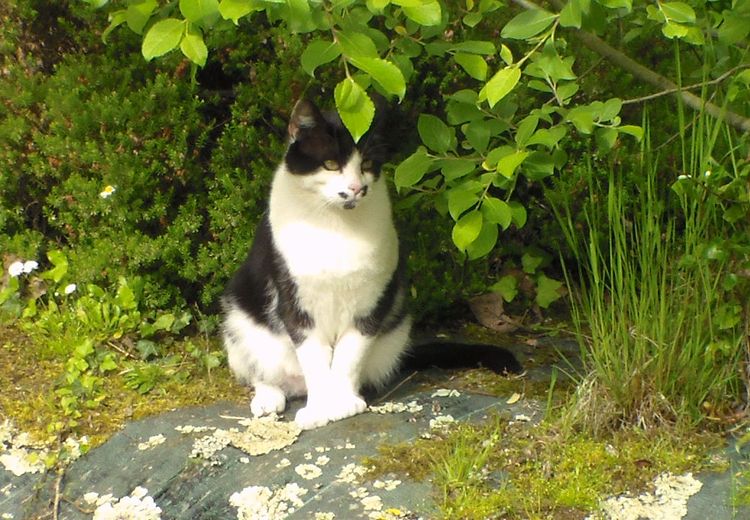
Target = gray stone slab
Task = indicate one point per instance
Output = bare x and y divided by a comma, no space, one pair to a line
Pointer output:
188,488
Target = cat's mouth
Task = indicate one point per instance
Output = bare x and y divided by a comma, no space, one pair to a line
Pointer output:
350,204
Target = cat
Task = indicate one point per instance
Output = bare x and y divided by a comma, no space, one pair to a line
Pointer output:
319,307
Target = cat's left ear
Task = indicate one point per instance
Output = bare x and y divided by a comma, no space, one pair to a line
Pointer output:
305,116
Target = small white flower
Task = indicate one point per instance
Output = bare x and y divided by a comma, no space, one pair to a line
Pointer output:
107,191
70,288
682,177
15,269
707,173
30,265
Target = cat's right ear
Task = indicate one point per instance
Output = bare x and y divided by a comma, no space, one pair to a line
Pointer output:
305,116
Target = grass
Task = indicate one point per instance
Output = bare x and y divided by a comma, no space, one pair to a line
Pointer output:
27,389
502,469
648,312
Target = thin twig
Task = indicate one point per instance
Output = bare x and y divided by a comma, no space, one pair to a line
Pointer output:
393,390
689,87
58,485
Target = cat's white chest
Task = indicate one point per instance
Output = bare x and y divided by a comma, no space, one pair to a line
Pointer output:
311,250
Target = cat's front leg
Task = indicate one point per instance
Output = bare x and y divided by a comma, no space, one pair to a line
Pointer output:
332,376
315,359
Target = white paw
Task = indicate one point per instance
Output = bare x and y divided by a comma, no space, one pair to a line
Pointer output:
332,409
311,417
267,400
346,405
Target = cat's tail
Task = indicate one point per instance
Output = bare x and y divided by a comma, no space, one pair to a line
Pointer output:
449,355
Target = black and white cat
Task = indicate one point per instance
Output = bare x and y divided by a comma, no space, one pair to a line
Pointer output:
318,308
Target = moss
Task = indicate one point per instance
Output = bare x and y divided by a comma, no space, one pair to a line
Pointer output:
27,392
513,470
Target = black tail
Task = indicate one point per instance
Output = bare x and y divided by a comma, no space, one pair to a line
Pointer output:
461,355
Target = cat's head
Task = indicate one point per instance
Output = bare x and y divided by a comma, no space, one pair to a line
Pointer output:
325,159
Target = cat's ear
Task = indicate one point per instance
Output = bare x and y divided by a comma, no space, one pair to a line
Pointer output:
305,116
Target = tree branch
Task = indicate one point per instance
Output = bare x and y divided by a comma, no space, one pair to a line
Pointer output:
617,57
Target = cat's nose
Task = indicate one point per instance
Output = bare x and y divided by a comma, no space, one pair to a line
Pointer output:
358,188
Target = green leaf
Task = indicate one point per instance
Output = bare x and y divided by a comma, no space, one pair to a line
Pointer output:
635,131
497,211
435,134
674,30
317,53
453,169
531,260
507,287
518,213
506,55
617,4
538,165
478,134
525,129
357,45
507,165
193,46
299,16
474,65
547,291
163,37
412,169
474,47
605,138
426,13
582,118
678,11
484,243
116,19
500,85
527,24
137,15
59,266
124,297
200,12
734,28
354,106
384,72
548,137
460,199
467,229
236,9
570,16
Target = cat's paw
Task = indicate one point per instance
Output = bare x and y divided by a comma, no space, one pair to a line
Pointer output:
345,405
267,400
311,417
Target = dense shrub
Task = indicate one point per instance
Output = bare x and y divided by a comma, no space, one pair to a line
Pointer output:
132,170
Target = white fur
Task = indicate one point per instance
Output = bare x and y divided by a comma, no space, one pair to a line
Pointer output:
341,260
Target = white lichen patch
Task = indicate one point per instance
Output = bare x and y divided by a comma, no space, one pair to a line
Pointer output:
260,502
308,471
137,506
324,516
359,493
668,501
19,454
387,485
446,392
322,460
396,407
372,503
284,463
441,422
351,473
152,442
20,461
322,449
262,435
189,428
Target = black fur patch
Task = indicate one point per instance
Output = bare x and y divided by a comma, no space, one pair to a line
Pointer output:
318,137
263,288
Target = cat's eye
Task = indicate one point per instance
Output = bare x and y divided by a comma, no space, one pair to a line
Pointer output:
367,166
330,164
